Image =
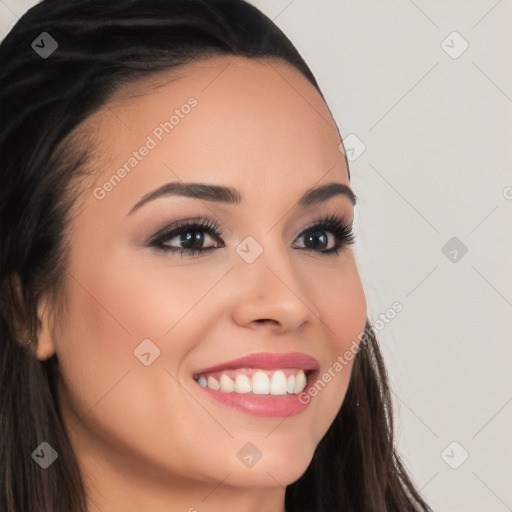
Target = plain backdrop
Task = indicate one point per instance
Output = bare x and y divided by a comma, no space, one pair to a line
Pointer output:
422,93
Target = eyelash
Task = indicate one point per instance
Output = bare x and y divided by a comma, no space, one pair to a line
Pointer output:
331,223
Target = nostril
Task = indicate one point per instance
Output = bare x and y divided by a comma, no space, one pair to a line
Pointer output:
266,320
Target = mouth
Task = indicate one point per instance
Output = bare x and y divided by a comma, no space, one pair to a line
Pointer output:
262,373
262,384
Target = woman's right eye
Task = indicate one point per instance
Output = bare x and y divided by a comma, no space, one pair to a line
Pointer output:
190,235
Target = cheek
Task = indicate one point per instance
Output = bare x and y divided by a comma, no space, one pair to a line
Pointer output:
128,301
111,310
343,308
112,393
94,343
148,296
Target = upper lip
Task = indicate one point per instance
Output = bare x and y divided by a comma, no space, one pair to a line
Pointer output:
267,361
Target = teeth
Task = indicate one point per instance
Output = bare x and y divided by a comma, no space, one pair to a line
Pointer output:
243,384
226,384
213,383
278,383
300,382
261,383
290,385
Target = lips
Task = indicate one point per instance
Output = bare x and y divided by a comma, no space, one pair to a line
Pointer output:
262,396
266,361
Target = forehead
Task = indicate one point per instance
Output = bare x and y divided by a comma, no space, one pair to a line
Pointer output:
228,119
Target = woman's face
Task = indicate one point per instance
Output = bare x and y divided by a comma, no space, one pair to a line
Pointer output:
142,321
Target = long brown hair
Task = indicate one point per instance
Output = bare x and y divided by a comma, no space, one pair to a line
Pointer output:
102,45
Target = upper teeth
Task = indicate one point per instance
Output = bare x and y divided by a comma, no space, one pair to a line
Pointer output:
259,382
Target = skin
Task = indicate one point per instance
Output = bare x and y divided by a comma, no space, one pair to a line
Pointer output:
147,437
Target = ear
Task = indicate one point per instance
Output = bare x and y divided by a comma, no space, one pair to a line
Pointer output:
45,344
18,317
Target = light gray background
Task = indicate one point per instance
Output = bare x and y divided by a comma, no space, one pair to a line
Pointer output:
437,164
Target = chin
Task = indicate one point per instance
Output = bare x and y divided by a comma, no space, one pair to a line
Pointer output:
279,469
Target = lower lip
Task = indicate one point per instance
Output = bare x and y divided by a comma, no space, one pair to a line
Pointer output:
269,406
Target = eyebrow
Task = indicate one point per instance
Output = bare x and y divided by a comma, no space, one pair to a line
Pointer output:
232,196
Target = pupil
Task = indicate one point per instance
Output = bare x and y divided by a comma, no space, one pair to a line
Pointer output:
188,239
316,236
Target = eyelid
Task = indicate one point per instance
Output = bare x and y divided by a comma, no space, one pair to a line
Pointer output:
216,226
322,219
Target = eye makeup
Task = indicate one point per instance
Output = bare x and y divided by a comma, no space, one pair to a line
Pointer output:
191,236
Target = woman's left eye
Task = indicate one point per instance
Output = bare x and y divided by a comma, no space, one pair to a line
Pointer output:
191,236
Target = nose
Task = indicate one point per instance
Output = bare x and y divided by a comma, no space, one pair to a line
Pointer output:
272,294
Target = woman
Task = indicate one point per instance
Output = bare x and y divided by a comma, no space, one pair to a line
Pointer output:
183,323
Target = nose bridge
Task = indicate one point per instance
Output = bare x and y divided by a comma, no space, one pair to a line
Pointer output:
270,285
